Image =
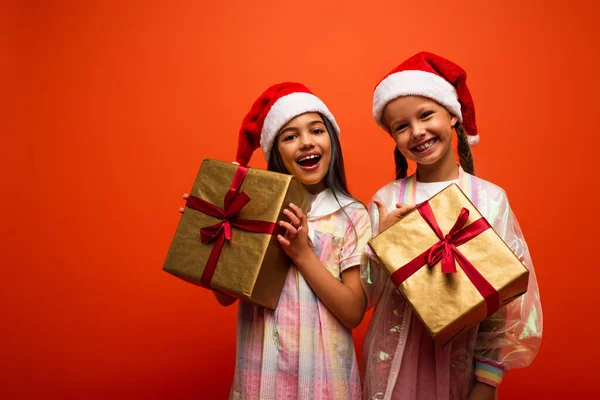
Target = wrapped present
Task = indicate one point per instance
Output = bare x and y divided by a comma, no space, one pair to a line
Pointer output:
449,264
226,239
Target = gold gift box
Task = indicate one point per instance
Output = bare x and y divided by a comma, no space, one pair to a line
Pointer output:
252,266
449,303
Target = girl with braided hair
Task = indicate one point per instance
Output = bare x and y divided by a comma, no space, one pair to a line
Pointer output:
421,104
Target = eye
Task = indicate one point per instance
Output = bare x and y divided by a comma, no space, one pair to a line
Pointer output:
426,114
400,128
317,131
288,137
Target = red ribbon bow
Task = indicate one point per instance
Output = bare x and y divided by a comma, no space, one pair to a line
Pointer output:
446,251
233,203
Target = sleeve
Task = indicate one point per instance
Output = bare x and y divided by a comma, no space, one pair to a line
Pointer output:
373,277
357,234
511,337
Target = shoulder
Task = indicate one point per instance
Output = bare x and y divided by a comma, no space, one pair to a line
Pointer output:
356,211
352,215
355,206
389,190
492,202
489,189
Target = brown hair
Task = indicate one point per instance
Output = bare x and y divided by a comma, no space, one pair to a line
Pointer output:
335,179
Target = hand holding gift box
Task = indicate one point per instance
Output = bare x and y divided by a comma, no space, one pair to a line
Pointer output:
449,264
226,237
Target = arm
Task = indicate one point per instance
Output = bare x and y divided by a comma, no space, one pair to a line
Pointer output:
345,298
373,276
482,391
511,337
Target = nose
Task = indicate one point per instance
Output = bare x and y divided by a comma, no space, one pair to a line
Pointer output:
306,140
418,130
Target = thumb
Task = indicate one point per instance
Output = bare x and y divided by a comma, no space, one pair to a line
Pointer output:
381,209
404,209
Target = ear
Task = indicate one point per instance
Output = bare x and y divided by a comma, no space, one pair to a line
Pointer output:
453,120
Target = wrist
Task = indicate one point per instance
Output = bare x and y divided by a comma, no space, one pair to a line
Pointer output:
481,391
486,386
303,258
488,372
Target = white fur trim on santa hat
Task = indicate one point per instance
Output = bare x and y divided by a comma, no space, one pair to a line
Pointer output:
473,139
284,110
415,83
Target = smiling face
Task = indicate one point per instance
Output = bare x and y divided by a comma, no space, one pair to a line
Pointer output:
305,149
422,129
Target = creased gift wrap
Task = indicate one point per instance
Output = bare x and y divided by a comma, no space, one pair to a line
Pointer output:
449,264
226,239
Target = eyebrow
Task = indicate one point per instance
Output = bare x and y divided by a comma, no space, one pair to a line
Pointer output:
294,129
420,111
289,128
396,122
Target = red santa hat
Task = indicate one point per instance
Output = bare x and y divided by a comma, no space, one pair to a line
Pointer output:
271,111
428,75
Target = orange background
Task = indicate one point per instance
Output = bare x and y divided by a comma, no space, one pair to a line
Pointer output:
110,106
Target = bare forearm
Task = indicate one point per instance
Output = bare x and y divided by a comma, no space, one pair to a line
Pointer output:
481,391
346,301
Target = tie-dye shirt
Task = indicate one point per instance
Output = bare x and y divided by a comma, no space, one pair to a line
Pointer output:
301,350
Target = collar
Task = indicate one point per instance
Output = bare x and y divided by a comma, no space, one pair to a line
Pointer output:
324,203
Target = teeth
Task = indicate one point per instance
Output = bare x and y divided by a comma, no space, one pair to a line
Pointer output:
308,158
425,146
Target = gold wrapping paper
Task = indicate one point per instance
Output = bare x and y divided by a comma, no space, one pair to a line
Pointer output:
253,266
449,304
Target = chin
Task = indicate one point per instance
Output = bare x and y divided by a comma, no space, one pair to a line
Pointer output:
430,160
309,183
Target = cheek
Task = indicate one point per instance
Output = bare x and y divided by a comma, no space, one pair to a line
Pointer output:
442,127
401,141
328,151
325,145
286,153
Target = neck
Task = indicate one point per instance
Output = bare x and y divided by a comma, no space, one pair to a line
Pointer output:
445,169
316,188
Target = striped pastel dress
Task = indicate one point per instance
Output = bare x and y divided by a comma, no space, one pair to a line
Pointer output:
301,350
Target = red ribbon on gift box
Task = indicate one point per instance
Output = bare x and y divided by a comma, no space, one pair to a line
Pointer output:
234,201
446,251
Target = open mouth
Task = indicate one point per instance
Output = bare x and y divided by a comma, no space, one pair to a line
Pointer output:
310,161
423,147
